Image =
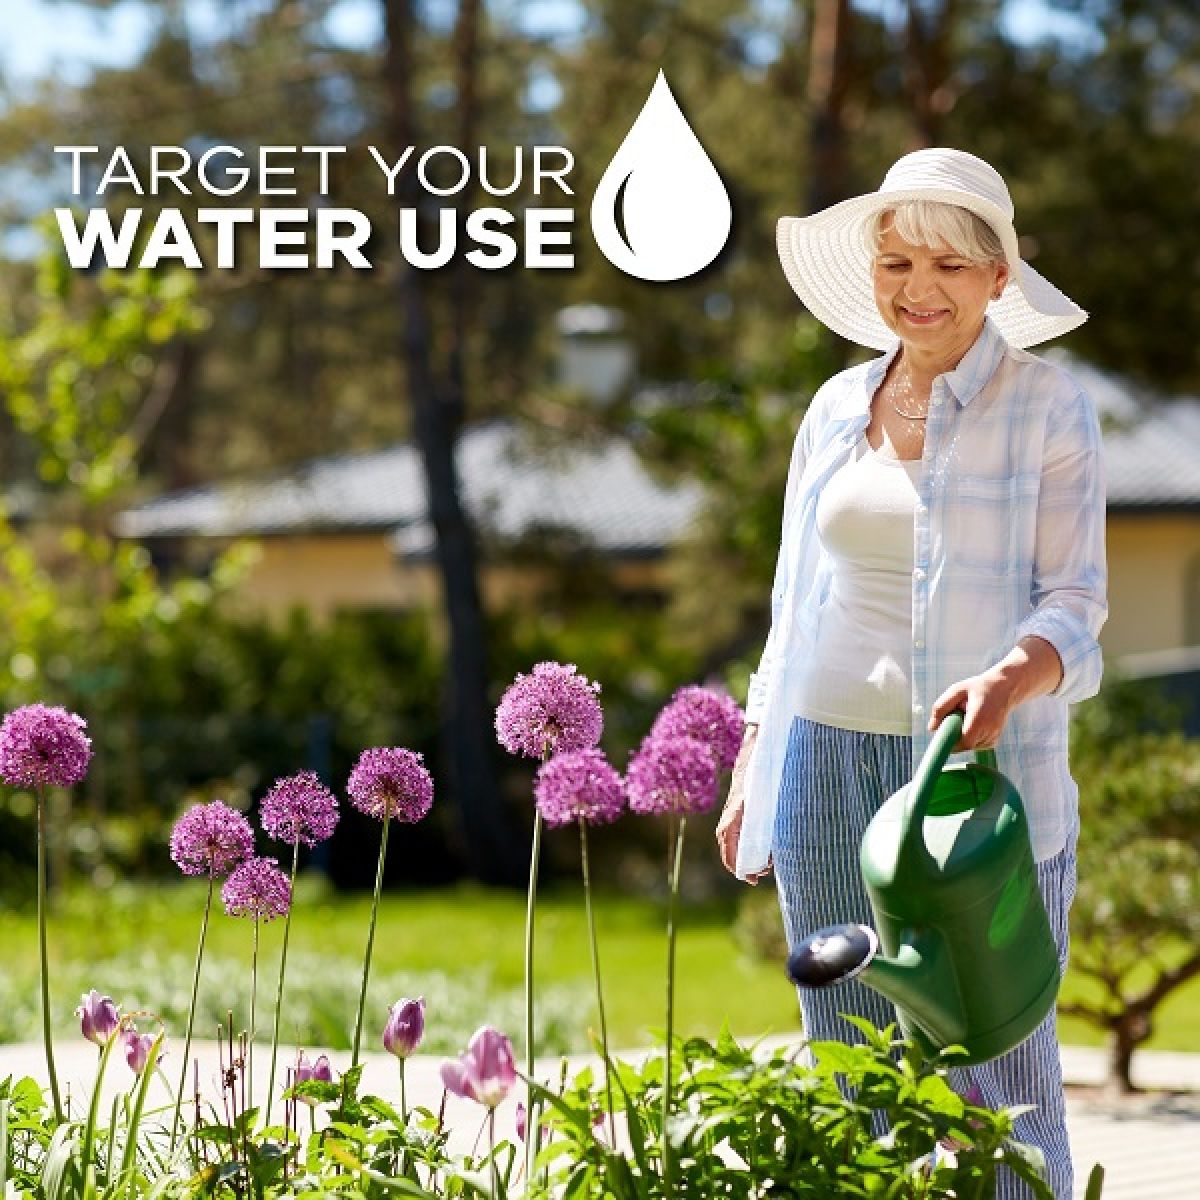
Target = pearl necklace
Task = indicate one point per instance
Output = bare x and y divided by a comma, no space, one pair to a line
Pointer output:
905,391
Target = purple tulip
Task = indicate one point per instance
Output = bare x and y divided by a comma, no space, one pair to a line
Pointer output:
137,1049
485,1072
405,1027
319,1070
98,1017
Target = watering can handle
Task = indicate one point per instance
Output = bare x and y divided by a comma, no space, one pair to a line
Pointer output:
930,767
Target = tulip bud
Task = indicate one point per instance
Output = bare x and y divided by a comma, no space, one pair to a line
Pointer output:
319,1070
485,1072
405,1027
137,1049
98,1017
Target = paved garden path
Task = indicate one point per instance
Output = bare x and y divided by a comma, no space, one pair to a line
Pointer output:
1149,1144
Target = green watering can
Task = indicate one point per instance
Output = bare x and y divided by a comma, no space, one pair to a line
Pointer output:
967,954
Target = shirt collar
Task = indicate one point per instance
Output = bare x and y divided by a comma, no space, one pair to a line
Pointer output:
967,379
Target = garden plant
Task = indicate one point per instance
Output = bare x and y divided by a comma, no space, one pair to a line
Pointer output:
689,1118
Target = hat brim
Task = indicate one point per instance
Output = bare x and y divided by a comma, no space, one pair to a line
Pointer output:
826,260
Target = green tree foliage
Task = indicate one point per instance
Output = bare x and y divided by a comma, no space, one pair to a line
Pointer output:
1135,930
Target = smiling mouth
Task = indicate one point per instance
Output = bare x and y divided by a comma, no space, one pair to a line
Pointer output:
918,314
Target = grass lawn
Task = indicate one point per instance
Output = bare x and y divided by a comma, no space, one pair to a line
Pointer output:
470,932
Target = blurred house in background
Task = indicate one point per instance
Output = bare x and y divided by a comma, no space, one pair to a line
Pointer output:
351,531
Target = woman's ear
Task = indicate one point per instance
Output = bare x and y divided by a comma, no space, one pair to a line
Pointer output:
1002,276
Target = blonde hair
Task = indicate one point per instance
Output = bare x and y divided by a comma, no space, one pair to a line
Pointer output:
932,223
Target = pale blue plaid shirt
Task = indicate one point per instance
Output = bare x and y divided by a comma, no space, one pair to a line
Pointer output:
1008,541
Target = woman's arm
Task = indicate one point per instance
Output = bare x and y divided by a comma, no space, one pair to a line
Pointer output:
1031,668
1056,648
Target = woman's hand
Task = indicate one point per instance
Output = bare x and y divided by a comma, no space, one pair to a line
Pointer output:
729,827
987,700
1031,668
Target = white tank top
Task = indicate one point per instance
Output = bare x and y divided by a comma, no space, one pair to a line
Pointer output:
861,676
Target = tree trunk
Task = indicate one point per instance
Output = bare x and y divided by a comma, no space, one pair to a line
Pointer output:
1128,1032
927,67
468,748
829,69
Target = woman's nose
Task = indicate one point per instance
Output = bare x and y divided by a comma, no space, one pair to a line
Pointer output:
918,284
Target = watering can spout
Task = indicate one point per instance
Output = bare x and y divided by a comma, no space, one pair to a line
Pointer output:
919,979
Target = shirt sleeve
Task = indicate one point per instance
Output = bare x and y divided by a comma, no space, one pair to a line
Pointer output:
1070,574
756,698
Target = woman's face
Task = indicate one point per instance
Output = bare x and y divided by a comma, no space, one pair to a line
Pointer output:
932,298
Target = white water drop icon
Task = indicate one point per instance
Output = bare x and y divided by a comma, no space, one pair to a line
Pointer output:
660,211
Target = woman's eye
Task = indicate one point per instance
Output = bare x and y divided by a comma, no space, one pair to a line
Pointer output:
952,267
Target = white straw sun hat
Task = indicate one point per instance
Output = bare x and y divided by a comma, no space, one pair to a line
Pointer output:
828,264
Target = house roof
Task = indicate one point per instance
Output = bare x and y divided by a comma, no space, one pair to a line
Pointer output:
600,493
1151,445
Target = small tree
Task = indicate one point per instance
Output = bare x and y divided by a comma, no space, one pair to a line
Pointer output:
1136,920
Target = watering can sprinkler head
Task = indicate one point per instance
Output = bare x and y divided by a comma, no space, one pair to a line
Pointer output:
832,955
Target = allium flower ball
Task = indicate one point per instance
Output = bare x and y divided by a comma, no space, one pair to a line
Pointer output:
709,716
211,839
552,710
672,775
485,1072
580,785
391,782
257,888
43,747
405,1027
98,1017
299,808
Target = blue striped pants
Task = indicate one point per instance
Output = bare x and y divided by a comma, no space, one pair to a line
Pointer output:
834,780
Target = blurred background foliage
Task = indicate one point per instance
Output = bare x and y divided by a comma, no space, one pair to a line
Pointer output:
119,386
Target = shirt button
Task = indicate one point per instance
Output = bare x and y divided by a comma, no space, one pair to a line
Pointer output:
935,400
917,710
919,644
918,574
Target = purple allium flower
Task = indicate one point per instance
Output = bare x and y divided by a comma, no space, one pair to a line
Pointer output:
299,808
405,1027
319,1070
42,746
551,710
672,775
391,782
211,839
137,1049
580,784
485,1071
257,888
709,716
98,1017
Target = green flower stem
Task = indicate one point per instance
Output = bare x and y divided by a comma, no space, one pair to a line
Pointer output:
253,1013
129,1158
362,995
45,958
89,1129
187,1042
535,854
492,1151
591,920
672,903
287,929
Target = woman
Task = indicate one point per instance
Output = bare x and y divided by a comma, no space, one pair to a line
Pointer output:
942,548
